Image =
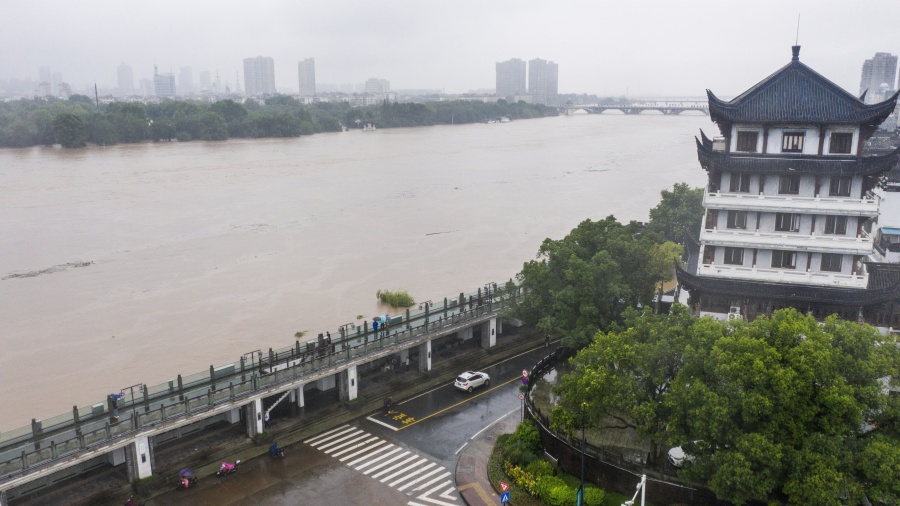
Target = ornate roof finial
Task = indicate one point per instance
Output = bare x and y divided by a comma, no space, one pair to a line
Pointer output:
795,50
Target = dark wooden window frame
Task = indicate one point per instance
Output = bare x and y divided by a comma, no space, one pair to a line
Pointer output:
739,182
734,256
792,141
747,141
841,143
839,186
789,184
787,222
831,262
737,219
784,259
836,225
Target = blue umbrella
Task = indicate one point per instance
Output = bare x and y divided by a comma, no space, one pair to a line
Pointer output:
185,473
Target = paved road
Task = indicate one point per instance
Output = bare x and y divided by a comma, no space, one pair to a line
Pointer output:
403,457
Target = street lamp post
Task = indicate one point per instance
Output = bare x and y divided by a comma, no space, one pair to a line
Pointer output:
581,490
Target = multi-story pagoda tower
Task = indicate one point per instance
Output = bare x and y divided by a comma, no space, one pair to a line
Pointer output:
790,203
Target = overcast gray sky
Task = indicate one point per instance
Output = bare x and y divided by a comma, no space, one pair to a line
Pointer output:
664,47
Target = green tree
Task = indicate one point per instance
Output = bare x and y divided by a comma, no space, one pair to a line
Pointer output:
581,283
162,130
780,405
679,213
130,120
69,130
621,380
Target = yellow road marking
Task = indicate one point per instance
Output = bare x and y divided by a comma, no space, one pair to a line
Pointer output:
479,490
459,403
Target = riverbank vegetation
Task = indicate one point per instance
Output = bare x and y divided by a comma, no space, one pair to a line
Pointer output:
397,298
788,409
77,121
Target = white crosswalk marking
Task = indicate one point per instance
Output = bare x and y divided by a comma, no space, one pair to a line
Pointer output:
425,481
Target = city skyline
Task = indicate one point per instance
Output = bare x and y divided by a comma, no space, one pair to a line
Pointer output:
633,49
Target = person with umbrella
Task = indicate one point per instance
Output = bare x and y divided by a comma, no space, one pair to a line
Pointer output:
188,478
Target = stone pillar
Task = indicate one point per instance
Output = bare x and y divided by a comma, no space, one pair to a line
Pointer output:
349,385
465,334
254,418
425,356
139,457
489,333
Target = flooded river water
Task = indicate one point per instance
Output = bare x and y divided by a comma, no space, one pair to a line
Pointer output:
131,264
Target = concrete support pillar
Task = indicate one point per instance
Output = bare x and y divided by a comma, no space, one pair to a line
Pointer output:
349,383
489,333
233,416
465,334
254,418
404,356
297,397
116,457
425,356
139,457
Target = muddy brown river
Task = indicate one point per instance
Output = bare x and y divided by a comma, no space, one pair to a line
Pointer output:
131,264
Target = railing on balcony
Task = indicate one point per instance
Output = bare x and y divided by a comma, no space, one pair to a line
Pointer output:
824,243
799,276
867,206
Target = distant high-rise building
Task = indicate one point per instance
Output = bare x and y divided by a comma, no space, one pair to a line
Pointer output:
55,80
374,85
185,81
45,86
543,81
259,76
511,78
881,69
44,74
126,79
163,84
147,87
306,70
205,81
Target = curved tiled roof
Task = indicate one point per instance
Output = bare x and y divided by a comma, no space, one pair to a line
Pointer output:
788,292
799,164
798,94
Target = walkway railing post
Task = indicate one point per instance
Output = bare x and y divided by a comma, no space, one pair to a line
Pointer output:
180,389
445,307
146,399
212,376
75,414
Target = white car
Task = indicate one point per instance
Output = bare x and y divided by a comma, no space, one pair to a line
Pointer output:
680,455
471,380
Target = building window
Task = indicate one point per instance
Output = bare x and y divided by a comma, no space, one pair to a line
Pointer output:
840,186
734,256
789,184
737,219
787,222
746,141
831,262
739,183
841,143
836,225
784,259
792,142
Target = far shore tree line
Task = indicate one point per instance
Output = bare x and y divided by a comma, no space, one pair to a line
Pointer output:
77,122
784,409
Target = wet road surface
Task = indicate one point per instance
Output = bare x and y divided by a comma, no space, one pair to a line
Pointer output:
404,457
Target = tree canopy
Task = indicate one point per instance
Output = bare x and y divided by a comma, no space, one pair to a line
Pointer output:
76,121
678,214
582,283
784,407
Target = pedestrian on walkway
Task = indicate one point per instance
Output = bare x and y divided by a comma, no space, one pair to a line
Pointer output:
547,341
266,420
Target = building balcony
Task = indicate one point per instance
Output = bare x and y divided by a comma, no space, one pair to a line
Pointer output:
836,206
791,241
799,277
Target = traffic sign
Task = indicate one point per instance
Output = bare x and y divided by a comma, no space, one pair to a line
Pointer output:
504,498
521,397
504,487
524,373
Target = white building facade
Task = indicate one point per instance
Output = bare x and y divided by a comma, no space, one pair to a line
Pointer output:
790,204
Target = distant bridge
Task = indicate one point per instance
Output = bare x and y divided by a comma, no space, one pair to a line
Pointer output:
665,108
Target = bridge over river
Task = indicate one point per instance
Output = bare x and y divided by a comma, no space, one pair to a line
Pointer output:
667,108
123,428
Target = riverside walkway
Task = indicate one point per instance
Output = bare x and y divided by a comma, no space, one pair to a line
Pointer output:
123,430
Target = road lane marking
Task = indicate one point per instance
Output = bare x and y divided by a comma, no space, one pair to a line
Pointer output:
387,462
345,437
459,403
351,464
379,422
420,478
478,490
356,439
318,439
492,423
366,442
412,475
395,466
406,469
461,448
366,449
366,464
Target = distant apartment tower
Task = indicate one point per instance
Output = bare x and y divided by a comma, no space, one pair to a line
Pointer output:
306,71
374,85
543,81
205,81
880,69
126,79
163,84
511,78
185,81
259,76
